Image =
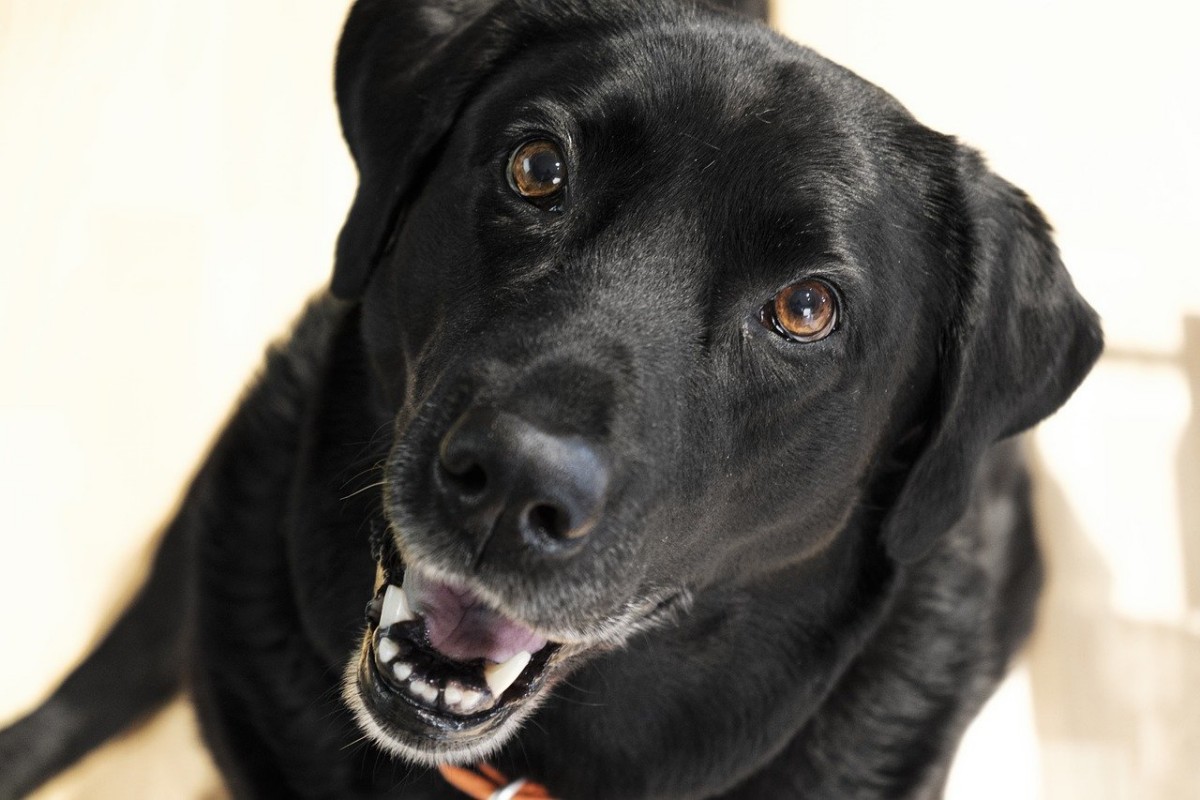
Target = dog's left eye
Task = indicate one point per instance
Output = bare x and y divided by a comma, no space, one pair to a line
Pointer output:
537,170
803,312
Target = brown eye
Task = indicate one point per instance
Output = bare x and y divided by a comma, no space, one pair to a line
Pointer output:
803,312
537,170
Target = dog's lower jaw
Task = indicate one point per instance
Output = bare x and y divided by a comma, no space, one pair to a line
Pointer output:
429,750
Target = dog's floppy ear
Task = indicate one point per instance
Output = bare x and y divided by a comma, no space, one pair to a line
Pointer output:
1020,341
403,70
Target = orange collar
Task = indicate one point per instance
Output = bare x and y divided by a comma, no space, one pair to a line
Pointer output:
488,783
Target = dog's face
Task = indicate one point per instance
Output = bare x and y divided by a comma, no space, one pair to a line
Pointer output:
660,302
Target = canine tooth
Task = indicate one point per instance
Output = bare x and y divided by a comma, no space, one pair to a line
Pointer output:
452,695
395,607
402,669
387,649
501,676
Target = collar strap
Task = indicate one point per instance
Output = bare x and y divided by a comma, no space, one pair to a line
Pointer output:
485,782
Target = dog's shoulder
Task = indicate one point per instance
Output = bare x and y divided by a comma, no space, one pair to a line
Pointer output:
295,362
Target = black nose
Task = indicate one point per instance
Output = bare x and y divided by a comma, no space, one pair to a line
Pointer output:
513,484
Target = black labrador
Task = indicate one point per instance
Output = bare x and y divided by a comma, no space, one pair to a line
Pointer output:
661,391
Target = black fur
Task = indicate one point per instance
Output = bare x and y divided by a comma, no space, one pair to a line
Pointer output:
814,561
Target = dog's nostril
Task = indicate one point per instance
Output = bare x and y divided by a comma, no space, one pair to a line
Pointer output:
549,521
470,482
503,480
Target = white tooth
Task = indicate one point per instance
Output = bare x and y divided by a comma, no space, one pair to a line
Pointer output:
402,670
470,699
424,691
501,676
395,607
452,694
387,649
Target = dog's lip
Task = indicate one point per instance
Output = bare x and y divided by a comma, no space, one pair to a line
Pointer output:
398,716
399,709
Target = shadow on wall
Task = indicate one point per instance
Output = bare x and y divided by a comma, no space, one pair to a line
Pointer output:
1113,695
1189,470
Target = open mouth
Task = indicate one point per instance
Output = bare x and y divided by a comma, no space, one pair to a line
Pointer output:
445,676
446,651
442,673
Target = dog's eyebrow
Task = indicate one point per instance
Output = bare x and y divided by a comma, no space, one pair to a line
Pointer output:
840,269
545,113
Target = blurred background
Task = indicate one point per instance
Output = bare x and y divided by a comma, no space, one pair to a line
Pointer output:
172,180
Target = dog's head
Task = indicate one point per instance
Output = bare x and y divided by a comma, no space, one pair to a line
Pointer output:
660,302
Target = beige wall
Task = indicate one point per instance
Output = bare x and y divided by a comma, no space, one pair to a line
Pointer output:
171,183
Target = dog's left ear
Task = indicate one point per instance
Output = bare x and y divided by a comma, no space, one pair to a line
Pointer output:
404,68
1020,341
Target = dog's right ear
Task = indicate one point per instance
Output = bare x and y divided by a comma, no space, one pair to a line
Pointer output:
403,71
1018,341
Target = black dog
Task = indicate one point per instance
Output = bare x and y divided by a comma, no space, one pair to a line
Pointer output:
661,398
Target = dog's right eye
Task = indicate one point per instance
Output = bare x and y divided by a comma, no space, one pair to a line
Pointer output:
803,312
537,170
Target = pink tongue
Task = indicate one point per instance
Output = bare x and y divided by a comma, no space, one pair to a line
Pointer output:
461,627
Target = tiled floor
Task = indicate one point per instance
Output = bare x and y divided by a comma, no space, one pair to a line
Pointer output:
171,182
